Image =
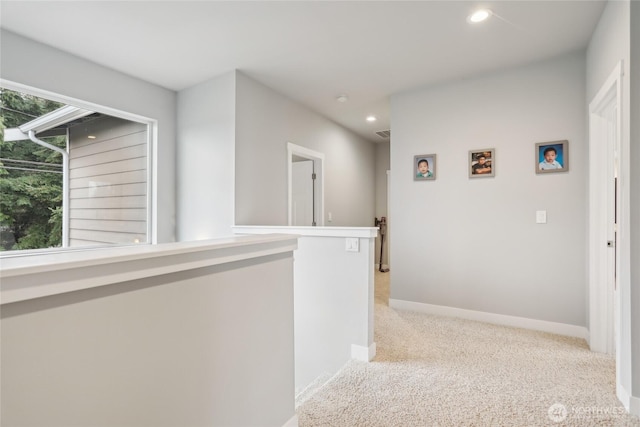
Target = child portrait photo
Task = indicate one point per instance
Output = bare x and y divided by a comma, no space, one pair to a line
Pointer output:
424,167
481,163
552,156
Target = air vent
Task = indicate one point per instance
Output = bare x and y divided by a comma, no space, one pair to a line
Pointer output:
384,134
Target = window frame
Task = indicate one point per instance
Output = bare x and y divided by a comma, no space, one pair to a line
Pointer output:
152,141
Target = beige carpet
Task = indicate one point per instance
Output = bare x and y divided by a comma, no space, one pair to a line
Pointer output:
440,371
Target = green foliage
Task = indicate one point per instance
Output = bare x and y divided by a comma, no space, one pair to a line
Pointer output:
30,202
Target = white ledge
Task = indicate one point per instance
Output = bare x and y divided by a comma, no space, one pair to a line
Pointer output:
363,232
34,276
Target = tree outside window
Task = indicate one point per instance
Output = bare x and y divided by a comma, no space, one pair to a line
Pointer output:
30,178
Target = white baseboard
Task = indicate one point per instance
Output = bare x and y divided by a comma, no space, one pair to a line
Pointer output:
498,319
634,406
630,403
366,354
293,422
623,396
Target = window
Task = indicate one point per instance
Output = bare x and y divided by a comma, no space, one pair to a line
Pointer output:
71,176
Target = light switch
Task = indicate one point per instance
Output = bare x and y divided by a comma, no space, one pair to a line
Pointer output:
352,244
541,217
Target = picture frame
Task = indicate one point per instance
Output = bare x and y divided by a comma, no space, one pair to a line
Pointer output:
552,157
419,171
482,163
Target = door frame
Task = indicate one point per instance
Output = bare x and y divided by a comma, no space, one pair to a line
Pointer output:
607,325
318,167
388,219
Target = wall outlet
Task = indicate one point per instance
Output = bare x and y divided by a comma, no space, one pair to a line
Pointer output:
352,244
541,217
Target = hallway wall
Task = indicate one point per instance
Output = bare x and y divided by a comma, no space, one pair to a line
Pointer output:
474,243
265,122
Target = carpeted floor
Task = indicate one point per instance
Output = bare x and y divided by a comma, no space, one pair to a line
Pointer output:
441,371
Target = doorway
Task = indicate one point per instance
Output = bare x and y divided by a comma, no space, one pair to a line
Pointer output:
604,149
306,186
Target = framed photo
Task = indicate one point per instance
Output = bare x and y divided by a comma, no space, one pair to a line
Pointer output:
482,163
552,157
424,167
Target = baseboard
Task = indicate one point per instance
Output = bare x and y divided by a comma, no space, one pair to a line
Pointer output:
311,388
623,396
498,319
634,406
293,422
630,403
365,354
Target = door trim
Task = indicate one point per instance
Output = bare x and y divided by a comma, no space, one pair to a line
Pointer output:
601,303
318,166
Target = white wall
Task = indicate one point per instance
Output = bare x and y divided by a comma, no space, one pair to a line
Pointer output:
205,159
34,64
613,40
265,122
473,243
333,298
182,335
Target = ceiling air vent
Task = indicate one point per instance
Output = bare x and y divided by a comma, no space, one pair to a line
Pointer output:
384,134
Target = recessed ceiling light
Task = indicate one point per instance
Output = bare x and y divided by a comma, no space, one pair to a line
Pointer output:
479,15
371,118
342,98
91,136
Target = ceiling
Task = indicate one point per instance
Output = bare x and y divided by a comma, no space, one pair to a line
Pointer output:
310,51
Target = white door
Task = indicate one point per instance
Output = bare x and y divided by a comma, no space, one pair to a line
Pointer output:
604,201
302,192
610,131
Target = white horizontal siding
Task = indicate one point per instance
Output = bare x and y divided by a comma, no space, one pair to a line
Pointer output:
107,236
113,144
108,181
126,153
138,227
110,214
109,202
138,189
139,163
139,176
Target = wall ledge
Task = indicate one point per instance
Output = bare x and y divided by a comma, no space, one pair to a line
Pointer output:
34,276
364,232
